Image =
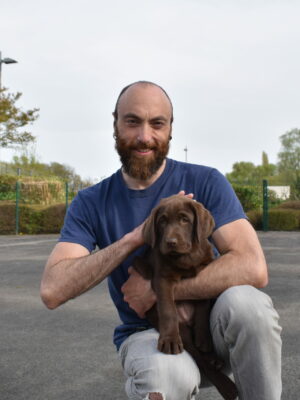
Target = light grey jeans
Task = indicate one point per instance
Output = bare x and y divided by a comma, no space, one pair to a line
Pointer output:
246,334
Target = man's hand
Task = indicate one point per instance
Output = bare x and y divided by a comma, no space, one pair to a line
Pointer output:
182,193
138,293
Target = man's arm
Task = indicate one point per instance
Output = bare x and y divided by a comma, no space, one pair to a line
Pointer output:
242,262
71,270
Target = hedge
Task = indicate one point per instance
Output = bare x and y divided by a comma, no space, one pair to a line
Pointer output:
280,219
49,219
33,220
291,204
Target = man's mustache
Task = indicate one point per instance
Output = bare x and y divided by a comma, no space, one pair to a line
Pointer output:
143,146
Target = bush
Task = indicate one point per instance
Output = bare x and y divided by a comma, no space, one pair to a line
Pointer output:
249,196
53,218
255,218
279,219
284,220
7,219
33,220
7,187
292,205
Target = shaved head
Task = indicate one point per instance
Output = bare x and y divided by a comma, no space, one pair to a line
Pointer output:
140,83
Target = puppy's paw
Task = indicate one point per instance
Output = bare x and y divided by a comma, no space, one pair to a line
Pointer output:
170,344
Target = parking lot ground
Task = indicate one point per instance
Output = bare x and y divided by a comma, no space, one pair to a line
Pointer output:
67,354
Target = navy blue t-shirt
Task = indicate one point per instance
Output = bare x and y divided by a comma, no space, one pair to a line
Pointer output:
105,212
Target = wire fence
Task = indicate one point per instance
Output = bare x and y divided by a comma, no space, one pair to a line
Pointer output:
35,205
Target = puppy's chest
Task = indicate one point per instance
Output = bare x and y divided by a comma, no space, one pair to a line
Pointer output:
175,268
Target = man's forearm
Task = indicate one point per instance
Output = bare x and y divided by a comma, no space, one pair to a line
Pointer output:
229,270
70,278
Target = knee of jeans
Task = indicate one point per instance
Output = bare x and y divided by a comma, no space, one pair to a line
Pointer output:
169,369
166,376
247,307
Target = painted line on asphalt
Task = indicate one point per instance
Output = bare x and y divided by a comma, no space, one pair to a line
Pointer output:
36,242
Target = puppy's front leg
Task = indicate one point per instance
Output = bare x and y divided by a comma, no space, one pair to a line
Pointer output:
169,340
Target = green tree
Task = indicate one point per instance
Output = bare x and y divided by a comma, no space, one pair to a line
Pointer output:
243,173
246,173
266,170
265,159
29,164
13,119
289,159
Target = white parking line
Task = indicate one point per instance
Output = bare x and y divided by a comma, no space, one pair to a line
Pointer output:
36,242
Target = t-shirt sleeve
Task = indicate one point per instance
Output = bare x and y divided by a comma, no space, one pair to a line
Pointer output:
78,226
220,199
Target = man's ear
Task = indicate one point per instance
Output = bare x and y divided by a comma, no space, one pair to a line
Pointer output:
204,222
115,115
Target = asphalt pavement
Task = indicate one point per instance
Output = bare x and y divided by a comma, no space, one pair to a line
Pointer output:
67,354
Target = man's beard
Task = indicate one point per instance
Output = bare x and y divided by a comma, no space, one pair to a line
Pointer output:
141,168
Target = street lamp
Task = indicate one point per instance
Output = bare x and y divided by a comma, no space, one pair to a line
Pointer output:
5,61
186,151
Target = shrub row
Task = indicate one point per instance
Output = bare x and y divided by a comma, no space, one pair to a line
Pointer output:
32,220
292,204
280,219
36,220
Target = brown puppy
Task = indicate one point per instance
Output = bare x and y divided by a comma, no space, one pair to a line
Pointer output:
177,231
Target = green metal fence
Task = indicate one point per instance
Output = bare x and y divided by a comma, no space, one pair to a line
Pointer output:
22,200
265,219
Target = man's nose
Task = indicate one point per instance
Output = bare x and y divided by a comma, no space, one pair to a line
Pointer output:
145,133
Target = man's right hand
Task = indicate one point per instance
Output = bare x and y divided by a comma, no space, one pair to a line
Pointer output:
138,293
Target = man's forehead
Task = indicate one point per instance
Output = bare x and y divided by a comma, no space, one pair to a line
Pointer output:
144,96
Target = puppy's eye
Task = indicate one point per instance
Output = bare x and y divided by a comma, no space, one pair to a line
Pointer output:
184,219
162,221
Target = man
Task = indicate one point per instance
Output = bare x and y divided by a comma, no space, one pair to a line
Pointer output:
244,324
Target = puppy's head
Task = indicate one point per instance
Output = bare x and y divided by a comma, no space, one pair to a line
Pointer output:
177,224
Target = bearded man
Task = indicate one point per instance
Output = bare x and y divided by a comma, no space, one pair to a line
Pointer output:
111,214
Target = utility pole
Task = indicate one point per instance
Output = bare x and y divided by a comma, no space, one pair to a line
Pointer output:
186,150
5,61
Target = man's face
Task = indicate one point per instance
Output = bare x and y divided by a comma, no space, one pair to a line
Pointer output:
143,130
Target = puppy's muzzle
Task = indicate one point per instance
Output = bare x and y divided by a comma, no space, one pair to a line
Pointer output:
172,243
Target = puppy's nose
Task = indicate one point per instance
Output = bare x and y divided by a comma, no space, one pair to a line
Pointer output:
172,242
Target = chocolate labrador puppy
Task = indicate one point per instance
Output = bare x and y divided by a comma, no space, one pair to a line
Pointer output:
177,231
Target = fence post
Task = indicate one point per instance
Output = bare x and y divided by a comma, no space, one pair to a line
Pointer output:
17,206
265,206
67,195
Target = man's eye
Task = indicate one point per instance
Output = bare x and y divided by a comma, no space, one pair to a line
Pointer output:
158,124
131,122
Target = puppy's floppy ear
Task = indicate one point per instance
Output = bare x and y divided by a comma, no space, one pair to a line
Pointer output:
149,231
204,222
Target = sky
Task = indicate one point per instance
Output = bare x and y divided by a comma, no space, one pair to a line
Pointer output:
230,67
